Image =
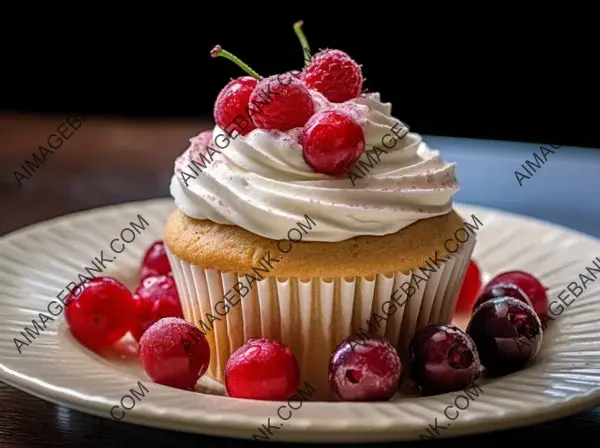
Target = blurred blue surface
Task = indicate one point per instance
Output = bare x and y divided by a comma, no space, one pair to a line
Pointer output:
565,190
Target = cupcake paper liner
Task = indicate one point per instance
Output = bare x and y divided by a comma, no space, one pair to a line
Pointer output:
312,316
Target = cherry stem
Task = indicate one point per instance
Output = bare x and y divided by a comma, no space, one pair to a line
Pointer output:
303,41
218,51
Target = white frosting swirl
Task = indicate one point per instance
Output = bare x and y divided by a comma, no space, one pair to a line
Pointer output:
261,182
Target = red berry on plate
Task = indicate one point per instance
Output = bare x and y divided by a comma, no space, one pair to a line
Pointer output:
470,288
155,261
364,370
166,360
443,359
335,75
530,286
508,334
262,369
498,290
332,141
232,101
155,298
281,102
102,313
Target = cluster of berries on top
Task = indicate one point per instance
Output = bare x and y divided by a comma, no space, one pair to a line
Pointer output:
332,140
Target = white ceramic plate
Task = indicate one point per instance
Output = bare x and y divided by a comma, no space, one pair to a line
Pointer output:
37,262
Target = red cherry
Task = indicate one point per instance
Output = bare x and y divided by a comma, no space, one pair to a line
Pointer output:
281,102
335,75
155,298
155,261
101,314
530,286
166,360
263,369
332,142
470,288
233,101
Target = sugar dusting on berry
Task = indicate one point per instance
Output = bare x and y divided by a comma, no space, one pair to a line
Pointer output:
509,333
165,358
365,370
326,70
290,107
165,334
443,359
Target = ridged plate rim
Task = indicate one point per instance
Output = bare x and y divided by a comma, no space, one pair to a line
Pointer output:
564,380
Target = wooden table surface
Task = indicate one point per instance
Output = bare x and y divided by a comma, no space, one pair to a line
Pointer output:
108,161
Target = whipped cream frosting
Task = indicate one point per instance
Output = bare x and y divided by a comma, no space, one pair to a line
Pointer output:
261,182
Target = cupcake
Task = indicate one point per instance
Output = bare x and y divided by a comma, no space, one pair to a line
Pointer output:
309,214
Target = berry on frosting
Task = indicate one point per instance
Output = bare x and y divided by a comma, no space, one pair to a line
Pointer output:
335,75
330,72
281,102
332,141
233,99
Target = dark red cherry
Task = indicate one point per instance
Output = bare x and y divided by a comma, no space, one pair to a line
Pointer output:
498,290
508,334
443,359
531,286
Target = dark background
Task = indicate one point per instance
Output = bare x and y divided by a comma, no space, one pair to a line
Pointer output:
497,73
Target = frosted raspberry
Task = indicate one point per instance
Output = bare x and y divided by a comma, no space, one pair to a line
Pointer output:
281,102
335,74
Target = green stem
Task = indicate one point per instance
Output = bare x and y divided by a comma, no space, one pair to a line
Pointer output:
303,41
218,51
